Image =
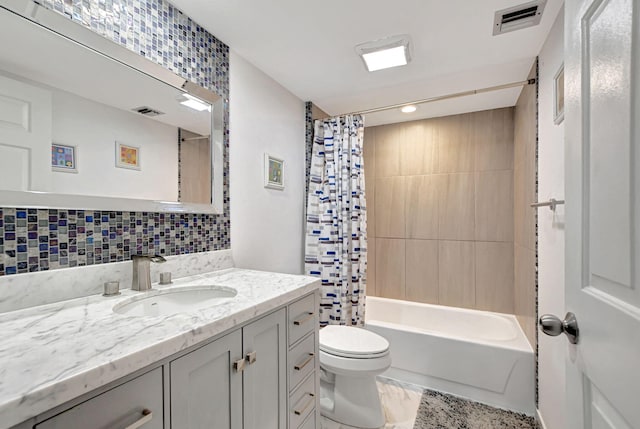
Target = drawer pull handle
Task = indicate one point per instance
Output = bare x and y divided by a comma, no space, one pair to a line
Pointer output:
305,319
239,365
251,357
305,363
306,405
146,418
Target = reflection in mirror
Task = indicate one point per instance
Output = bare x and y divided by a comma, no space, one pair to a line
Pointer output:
195,167
116,131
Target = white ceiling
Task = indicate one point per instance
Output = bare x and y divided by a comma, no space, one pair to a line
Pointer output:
308,47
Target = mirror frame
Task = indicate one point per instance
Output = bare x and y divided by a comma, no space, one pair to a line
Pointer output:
76,33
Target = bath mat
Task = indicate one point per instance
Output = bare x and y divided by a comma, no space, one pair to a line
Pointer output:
441,411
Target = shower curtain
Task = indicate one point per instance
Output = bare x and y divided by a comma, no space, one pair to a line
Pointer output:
336,236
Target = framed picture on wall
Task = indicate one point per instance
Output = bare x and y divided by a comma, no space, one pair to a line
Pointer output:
64,158
273,172
127,156
558,96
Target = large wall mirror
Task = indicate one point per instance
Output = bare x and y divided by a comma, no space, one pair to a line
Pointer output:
87,124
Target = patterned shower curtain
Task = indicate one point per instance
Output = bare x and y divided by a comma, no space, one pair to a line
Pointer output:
336,238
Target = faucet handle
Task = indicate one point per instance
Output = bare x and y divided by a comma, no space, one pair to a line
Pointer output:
152,258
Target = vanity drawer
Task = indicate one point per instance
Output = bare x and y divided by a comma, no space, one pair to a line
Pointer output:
303,318
302,360
120,407
302,402
310,423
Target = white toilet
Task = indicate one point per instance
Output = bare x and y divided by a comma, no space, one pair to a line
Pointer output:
350,360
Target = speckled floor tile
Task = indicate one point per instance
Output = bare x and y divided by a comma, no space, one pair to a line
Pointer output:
409,407
441,411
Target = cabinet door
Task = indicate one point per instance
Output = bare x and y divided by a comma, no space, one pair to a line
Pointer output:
206,391
134,401
265,380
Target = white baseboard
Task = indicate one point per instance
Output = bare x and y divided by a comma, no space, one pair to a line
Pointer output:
540,421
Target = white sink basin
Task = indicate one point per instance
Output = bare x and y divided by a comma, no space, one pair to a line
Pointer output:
175,300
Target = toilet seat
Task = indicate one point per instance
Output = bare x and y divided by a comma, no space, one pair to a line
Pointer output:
353,343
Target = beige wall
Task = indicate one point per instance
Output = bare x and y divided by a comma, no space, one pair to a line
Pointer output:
525,193
440,210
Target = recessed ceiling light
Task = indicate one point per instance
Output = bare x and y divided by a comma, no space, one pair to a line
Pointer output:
408,109
194,103
385,53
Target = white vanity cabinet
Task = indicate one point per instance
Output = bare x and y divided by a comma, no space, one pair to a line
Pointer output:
205,388
303,363
244,370
263,375
264,391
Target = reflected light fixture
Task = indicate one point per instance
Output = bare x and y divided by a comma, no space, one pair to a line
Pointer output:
194,103
408,109
385,53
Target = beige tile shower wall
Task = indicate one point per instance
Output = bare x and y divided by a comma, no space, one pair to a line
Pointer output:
440,210
525,125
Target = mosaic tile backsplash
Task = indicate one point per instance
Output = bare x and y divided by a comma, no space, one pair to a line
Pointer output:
308,143
158,31
42,239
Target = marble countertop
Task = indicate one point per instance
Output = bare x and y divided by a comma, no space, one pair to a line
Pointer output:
53,353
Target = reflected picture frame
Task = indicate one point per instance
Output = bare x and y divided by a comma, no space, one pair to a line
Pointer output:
558,96
64,158
273,172
127,156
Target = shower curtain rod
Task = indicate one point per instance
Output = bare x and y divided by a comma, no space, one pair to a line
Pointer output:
448,96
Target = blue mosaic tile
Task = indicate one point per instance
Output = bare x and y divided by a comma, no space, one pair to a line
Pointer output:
158,31
308,123
178,238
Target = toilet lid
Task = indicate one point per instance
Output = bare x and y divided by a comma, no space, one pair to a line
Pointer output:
349,341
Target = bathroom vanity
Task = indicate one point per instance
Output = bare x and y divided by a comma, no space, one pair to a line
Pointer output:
244,361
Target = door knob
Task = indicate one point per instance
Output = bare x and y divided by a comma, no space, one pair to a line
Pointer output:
553,326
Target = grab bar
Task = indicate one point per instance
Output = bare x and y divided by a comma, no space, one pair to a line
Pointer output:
552,203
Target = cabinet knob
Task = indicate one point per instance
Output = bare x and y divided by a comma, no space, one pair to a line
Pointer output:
239,365
251,357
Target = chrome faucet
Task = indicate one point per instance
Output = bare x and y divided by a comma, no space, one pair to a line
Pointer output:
142,271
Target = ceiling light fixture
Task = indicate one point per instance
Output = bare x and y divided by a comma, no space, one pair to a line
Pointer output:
385,53
194,103
408,109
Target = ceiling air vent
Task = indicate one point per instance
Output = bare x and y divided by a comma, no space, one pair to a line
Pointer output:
518,17
147,111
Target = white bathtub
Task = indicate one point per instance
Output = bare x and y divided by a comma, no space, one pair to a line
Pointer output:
475,354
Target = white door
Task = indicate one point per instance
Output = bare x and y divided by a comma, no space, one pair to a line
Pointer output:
25,136
602,126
